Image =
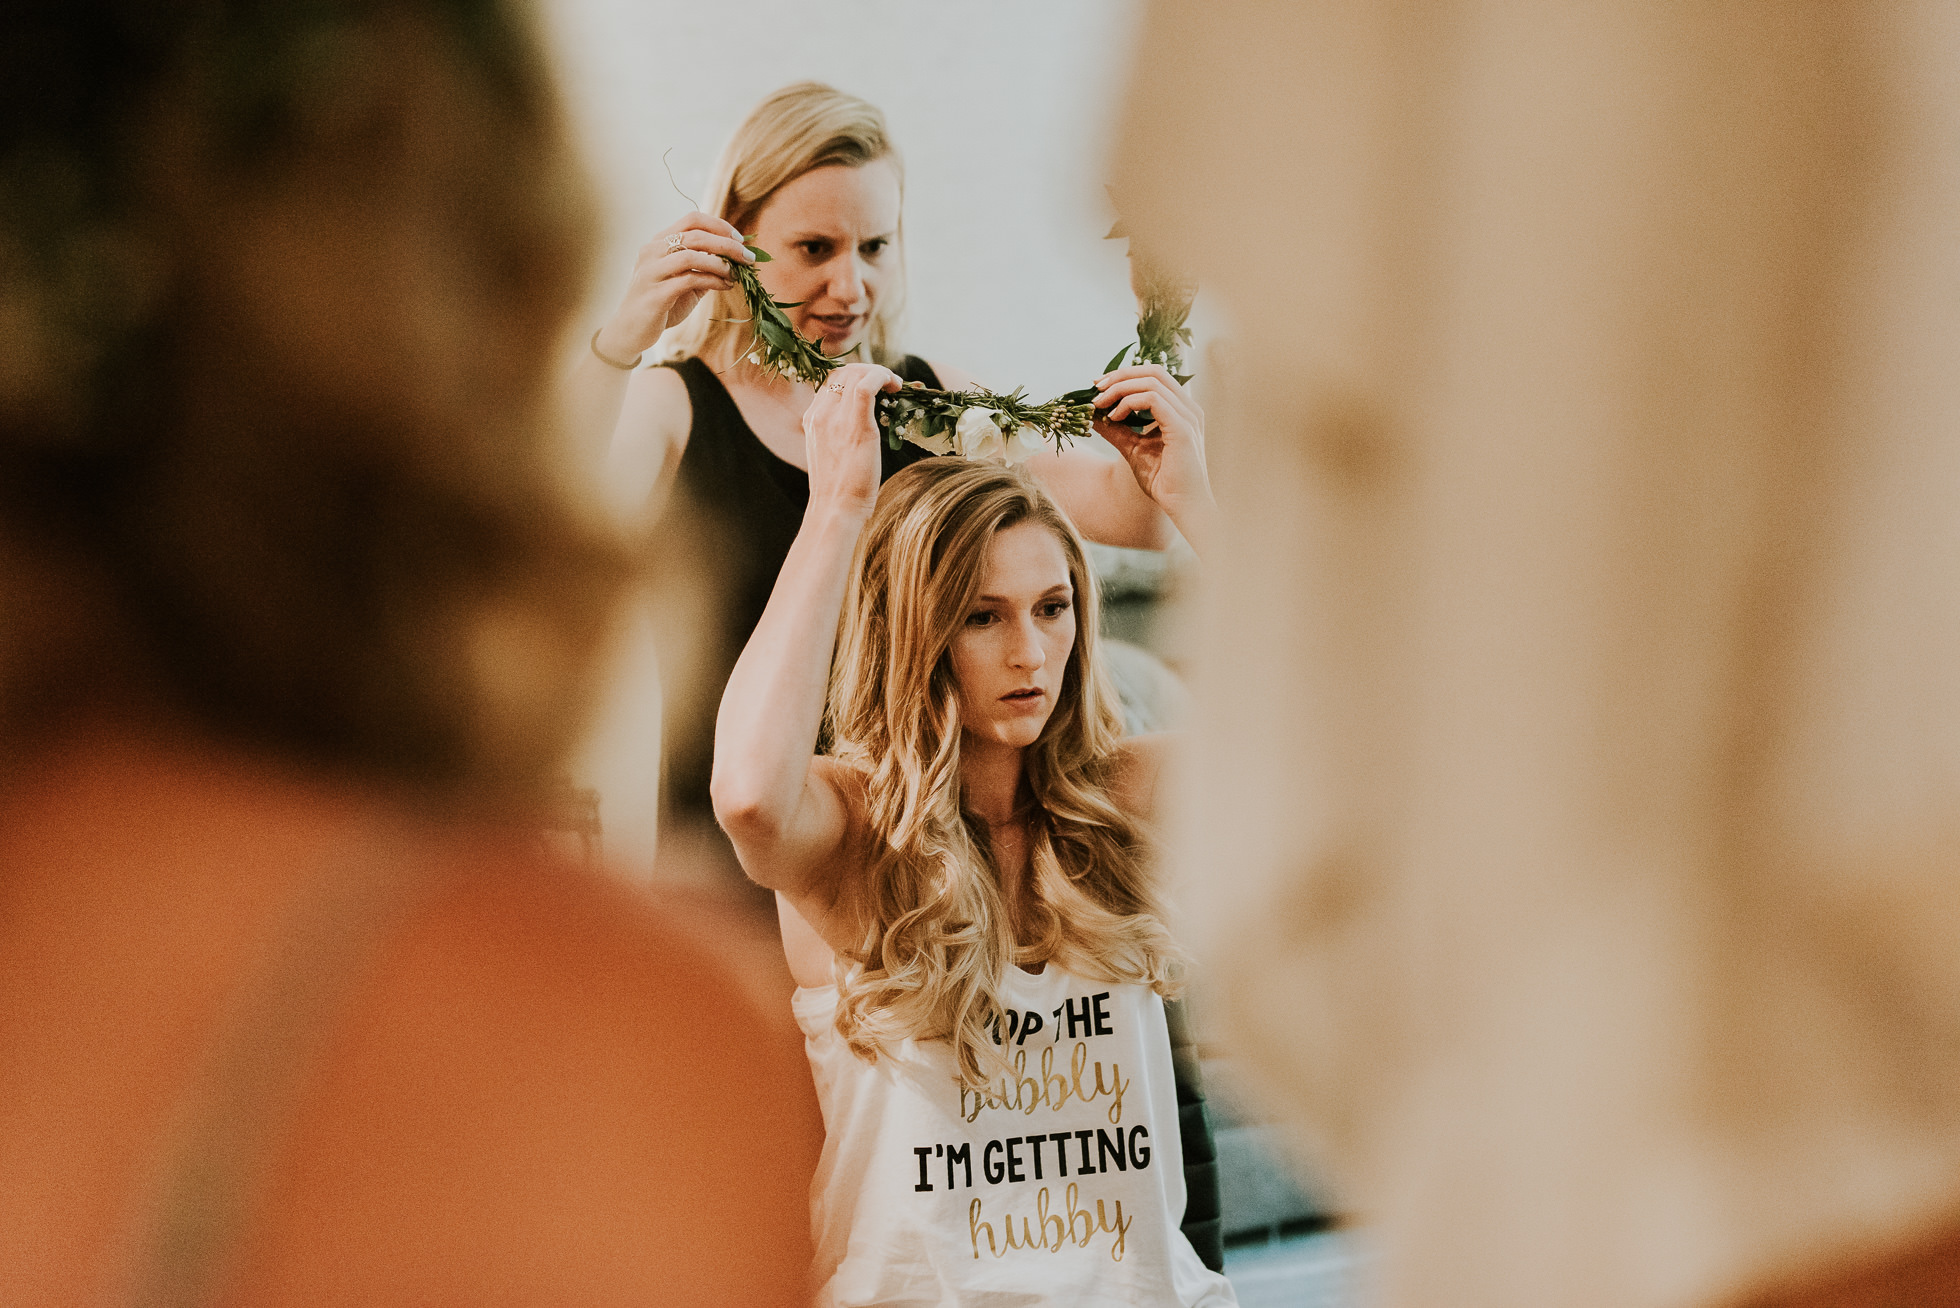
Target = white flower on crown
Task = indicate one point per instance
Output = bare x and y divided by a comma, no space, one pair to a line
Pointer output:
977,436
914,430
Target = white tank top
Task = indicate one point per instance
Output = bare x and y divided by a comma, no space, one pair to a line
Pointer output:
1062,1186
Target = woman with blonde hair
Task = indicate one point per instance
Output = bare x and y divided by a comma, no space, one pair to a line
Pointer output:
814,177
968,907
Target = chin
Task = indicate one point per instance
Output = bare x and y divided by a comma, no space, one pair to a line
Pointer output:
1019,735
833,345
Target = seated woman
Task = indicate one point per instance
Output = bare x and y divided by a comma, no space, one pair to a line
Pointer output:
969,914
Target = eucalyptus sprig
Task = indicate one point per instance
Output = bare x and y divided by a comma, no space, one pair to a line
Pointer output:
1163,310
777,346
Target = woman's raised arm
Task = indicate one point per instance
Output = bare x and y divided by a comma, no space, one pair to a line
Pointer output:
786,817
672,272
1167,465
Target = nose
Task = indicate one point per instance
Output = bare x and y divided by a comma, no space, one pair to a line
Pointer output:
1025,653
847,285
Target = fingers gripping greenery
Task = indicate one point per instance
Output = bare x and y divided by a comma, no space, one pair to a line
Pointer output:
777,346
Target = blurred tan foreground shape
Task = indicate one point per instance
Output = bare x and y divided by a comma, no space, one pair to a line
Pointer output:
296,628
1581,783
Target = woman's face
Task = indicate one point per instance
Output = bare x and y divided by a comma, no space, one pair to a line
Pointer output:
1014,645
830,234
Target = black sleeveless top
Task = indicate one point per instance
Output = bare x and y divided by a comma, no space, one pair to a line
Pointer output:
751,501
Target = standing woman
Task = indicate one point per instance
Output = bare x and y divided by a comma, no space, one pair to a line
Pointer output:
814,177
978,943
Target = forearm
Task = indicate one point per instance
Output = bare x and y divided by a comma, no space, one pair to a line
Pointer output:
772,710
1129,517
594,396
1194,516
1167,458
1102,499
1126,515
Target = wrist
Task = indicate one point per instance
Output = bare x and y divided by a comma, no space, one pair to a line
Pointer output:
839,509
1193,514
616,344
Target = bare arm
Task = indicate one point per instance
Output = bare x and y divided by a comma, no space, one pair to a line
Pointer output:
1102,499
786,811
649,436
670,275
1167,462
1141,765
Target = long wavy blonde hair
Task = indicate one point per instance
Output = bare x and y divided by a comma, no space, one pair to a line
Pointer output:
801,128
936,938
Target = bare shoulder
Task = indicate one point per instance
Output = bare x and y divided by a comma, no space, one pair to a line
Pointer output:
664,380
648,439
1142,765
555,1087
663,395
657,405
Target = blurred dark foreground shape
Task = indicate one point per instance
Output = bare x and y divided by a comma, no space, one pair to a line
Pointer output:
294,631
1582,668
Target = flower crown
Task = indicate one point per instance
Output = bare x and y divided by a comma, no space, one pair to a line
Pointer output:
973,423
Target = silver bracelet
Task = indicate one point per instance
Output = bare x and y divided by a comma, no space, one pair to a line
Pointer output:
614,363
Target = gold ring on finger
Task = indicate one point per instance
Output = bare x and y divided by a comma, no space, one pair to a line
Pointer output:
677,242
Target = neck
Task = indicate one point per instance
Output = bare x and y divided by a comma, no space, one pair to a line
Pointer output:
990,775
773,383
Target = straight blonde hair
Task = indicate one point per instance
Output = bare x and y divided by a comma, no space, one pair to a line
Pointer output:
936,939
795,131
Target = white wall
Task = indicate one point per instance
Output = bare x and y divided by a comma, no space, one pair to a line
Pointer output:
1001,109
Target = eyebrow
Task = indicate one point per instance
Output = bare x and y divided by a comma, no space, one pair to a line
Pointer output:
1061,587
829,236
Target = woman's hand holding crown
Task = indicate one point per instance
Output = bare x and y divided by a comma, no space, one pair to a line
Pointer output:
670,275
1168,459
840,436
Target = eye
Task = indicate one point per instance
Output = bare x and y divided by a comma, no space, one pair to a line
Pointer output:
1053,608
873,248
815,249
984,618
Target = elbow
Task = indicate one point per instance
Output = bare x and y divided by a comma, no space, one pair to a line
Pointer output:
742,810
754,830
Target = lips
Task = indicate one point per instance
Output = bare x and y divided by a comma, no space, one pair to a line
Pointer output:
836,324
1023,696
